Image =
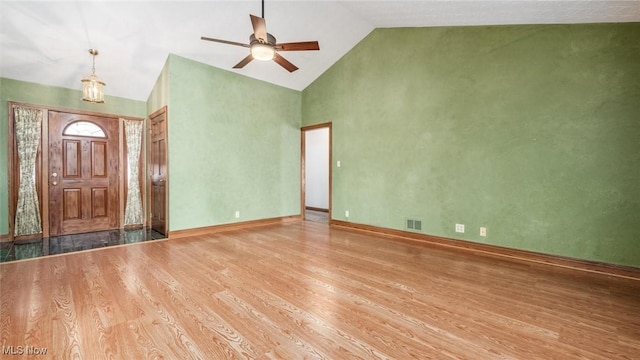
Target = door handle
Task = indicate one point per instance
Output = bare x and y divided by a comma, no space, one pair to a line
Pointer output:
162,180
54,183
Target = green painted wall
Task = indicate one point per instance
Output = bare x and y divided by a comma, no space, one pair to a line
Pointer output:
159,96
31,93
531,131
234,145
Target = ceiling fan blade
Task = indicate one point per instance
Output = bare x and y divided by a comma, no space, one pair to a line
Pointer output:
284,63
259,28
243,62
224,41
298,46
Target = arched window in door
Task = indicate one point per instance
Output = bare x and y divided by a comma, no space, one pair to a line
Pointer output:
84,128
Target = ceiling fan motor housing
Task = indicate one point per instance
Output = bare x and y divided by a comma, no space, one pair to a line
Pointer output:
271,40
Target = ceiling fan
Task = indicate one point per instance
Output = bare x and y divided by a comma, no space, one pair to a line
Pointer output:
263,45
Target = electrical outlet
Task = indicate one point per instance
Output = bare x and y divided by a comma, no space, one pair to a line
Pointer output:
338,163
460,228
346,213
483,231
237,214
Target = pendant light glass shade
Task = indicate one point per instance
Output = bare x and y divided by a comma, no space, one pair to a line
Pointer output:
92,86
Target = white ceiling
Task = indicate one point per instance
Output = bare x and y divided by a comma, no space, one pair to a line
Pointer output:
47,42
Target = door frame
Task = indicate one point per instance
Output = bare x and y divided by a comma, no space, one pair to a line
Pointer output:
149,191
42,165
303,185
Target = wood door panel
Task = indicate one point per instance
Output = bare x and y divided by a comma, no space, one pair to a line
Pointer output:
72,204
99,202
158,209
161,156
83,172
155,163
72,159
98,159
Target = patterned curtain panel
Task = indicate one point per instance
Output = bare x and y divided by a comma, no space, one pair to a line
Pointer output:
133,207
28,125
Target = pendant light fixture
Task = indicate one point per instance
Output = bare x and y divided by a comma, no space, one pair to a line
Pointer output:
92,86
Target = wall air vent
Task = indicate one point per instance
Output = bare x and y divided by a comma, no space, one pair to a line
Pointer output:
412,224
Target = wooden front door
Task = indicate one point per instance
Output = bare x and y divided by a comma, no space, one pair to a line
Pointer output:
158,170
83,173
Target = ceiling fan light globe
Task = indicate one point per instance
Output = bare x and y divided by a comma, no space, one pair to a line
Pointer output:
263,52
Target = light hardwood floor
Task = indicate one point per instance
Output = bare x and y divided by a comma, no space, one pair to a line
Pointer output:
305,290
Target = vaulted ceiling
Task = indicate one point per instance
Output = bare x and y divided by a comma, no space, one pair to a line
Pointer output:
47,42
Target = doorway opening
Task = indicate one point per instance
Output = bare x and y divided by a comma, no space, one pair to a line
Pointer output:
315,168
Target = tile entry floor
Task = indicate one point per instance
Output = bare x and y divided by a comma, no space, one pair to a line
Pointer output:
26,249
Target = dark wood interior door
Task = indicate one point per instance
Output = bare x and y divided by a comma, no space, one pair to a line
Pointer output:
158,171
83,173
